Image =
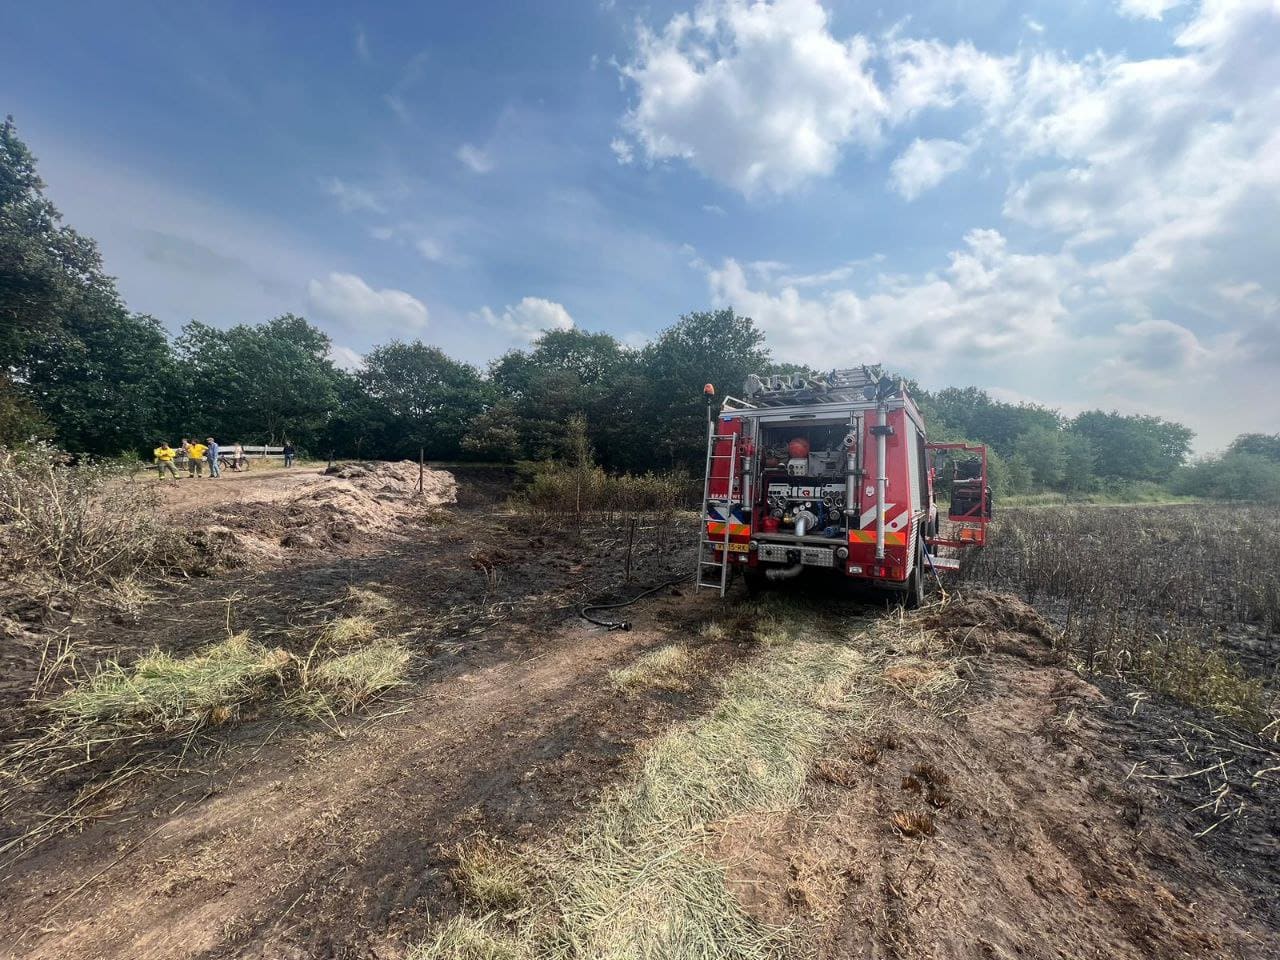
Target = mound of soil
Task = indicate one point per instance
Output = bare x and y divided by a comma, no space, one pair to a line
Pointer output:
345,504
985,621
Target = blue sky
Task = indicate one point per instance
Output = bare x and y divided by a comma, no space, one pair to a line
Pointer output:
1072,203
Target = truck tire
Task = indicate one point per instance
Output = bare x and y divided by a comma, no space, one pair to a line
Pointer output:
914,597
755,581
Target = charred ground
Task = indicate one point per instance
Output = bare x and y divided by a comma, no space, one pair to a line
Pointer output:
997,804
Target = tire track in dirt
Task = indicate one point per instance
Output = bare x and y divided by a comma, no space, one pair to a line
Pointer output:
330,852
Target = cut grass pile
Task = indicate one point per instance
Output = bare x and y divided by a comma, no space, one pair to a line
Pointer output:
355,678
164,694
369,603
464,938
345,632
170,694
492,875
636,881
667,668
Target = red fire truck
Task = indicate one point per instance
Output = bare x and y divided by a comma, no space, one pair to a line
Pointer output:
834,472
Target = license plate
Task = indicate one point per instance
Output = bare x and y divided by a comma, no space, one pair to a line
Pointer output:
739,547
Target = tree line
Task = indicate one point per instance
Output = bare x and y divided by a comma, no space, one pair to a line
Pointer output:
79,368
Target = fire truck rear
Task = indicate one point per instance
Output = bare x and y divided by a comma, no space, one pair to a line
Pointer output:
833,472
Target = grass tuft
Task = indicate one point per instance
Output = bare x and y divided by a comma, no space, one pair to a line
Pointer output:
355,678
912,824
170,693
349,631
369,603
464,938
667,668
492,874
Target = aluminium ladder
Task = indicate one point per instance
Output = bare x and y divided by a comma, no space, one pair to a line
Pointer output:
707,545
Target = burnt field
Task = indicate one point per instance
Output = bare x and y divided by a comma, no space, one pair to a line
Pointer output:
1185,598
369,723
1174,611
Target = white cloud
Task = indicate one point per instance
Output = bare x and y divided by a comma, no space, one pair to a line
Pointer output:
345,358
475,159
927,74
362,46
1175,159
1147,9
713,208
988,303
925,164
757,95
528,319
623,150
345,299
431,250
352,198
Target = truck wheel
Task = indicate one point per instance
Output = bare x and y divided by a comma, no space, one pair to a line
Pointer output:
914,598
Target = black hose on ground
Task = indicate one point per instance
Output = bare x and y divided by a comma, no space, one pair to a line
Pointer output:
623,624
934,570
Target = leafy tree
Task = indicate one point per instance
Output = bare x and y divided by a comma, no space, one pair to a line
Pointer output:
42,262
1134,447
1042,450
1018,475
972,412
1079,463
271,381
495,434
430,400
1259,444
71,356
568,373
19,419
360,425
718,347
1234,476
104,378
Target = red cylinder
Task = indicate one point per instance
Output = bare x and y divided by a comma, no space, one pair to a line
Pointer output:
769,525
799,447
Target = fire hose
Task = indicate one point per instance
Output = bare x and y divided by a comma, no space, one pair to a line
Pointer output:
584,611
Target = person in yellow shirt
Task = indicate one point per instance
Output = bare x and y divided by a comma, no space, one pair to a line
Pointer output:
195,458
164,455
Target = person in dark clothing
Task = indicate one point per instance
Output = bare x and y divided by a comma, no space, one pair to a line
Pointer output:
289,454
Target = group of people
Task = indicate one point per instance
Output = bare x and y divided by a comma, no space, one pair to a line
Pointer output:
197,454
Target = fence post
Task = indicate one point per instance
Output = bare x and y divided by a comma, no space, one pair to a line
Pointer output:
421,464
631,539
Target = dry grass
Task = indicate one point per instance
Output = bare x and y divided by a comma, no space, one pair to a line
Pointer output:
491,874
353,679
75,524
673,667
369,603
912,824
840,772
464,938
345,632
172,694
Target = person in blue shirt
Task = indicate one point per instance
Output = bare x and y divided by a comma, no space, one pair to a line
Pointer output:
211,454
